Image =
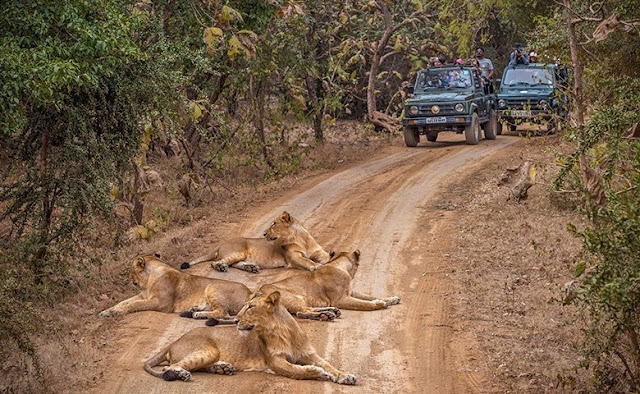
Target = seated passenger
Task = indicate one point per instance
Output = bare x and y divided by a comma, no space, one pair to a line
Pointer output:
533,57
435,81
518,56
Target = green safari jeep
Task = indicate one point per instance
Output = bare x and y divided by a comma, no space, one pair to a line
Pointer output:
450,98
534,93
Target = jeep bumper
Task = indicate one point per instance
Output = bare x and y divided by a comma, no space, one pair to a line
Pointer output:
438,121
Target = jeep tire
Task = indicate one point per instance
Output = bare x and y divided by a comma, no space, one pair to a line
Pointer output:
491,126
411,136
472,130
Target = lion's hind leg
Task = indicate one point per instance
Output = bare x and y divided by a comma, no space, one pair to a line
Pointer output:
200,359
388,300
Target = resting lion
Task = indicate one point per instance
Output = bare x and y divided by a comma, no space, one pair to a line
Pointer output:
166,289
318,295
267,338
286,243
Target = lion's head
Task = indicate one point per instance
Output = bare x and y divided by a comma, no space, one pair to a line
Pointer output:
259,311
282,229
139,271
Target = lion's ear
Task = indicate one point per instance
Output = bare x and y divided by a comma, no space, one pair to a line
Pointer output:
273,298
139,263
157,255
356,255
285,217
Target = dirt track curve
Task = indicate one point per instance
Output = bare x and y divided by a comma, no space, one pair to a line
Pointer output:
382,207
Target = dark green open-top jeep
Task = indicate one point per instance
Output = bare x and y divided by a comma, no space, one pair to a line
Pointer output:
533,93
450,98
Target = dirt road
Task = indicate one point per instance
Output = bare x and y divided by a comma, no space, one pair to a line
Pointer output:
382,207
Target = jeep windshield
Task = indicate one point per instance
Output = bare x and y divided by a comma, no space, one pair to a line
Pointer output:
540,77
438,79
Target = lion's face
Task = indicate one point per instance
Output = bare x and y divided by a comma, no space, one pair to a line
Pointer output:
258,311
139,273
280,228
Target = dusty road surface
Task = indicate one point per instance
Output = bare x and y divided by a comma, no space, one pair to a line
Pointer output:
381,207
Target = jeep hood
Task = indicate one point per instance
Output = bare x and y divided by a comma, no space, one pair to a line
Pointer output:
432,97
525,92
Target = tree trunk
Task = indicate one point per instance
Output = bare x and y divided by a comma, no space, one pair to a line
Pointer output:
317,112
380,119
590,177
260,114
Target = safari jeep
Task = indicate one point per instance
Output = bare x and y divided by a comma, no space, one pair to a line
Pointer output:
532,93
450,98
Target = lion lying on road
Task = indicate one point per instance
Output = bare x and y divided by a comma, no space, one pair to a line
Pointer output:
318,295
166,289
286,244
272,342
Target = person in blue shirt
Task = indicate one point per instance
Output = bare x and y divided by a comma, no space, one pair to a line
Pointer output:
518,56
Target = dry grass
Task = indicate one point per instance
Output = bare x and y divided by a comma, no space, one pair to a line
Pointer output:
512,261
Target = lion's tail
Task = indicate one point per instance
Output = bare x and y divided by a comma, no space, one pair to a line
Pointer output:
155,360
207,257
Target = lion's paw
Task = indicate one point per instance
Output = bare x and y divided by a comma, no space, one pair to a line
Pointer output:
348,378
222,267
337,312
108,313
326,316
199,315
392,300
222,368
252,268
175,374
321,374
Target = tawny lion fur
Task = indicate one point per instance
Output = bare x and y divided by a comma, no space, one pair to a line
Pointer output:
267,338
166,289
286,243
318,295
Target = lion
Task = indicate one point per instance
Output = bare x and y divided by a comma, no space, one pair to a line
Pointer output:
319,295
286,243
266,338
165,289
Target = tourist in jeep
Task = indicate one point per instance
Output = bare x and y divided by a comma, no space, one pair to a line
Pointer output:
518,56
435,81
486,68
533,57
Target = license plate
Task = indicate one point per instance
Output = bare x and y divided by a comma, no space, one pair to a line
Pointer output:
440,119
521,113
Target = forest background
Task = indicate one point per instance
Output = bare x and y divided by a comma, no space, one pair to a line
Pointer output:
90,90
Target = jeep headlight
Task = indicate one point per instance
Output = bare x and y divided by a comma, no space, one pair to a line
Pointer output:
413,110
502,103
544,104
459,107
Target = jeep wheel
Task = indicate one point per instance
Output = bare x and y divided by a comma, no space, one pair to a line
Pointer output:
491,126
472,131
432,137
411,136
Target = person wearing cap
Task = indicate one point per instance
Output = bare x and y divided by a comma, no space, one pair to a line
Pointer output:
533,57
518,56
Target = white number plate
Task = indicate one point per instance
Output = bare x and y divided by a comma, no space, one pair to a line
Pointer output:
440,119
520,113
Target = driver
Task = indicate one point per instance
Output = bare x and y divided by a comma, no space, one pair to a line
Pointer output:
435,81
